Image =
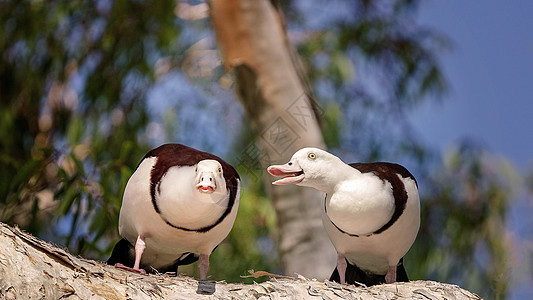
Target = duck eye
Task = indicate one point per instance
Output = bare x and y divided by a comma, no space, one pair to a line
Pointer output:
311,156
290,163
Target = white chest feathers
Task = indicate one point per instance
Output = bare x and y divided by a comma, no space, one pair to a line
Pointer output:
185,201
362,203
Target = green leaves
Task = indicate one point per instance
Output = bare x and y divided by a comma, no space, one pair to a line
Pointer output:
463,217
74,77
25,173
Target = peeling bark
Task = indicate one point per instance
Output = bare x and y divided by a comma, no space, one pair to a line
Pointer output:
33,269
276,97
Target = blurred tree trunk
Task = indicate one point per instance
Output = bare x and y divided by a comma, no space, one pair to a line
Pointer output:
33,269
271,86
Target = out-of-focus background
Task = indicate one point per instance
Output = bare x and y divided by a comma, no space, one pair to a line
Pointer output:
442,87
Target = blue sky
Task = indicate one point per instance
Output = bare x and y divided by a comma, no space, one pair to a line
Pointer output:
490,70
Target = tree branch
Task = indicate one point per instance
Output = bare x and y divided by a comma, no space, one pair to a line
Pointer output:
32,268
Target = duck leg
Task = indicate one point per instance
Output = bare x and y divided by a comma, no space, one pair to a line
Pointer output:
391,275
203,265
341,267
140,245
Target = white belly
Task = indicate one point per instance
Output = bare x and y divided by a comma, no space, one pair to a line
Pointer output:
377,252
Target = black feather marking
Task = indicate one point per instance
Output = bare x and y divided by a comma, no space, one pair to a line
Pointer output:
355,275
389,172
123,253
184,259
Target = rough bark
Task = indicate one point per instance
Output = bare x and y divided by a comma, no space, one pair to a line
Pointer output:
33,269
270,85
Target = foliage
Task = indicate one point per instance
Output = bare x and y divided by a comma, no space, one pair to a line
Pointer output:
74,77
376,63
463,239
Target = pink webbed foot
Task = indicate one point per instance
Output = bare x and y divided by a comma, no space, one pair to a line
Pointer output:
140,245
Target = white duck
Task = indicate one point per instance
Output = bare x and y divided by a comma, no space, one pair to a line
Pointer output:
178,205
371,212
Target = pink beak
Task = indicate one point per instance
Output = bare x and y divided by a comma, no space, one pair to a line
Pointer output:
294,174
205,189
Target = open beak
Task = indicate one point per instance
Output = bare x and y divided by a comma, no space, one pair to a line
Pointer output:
292,172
